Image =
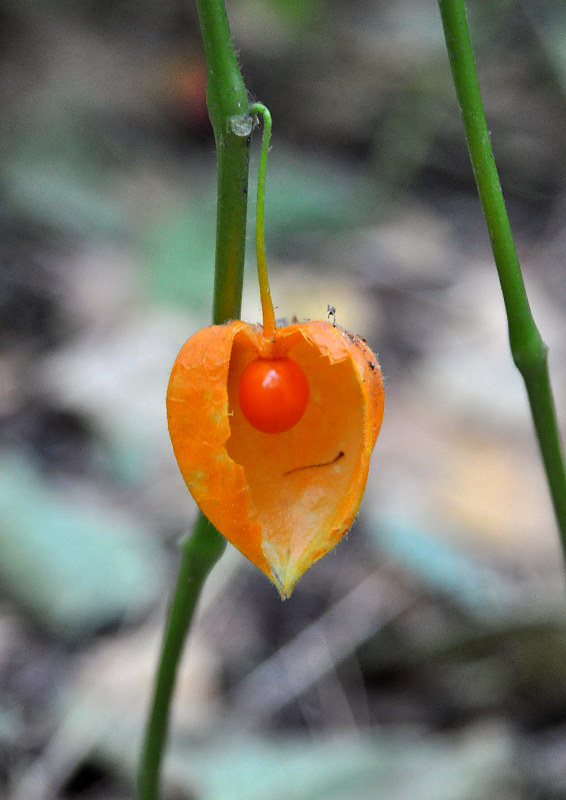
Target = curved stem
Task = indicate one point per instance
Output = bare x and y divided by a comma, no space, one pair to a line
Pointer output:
232,124
527,347
264,290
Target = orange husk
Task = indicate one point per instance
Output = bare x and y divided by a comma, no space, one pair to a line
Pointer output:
286,499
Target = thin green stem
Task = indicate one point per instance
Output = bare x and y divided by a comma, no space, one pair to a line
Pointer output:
200,552
527,347
232,124
264,290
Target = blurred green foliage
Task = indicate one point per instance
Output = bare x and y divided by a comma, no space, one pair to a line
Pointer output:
75,569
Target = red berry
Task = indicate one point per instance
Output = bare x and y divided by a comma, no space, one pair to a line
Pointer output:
273,394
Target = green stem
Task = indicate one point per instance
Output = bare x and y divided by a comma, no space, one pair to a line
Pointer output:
527,347
200,552
264,290
232,124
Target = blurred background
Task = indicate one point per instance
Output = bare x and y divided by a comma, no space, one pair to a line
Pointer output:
424,658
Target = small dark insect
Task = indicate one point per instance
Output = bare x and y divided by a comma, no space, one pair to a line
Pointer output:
332,313
340,455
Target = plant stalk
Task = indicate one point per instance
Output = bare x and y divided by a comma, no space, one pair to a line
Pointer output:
227,102
268,313
232,124
199,554
529,352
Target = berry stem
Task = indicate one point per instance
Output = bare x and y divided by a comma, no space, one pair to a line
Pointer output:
264,290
